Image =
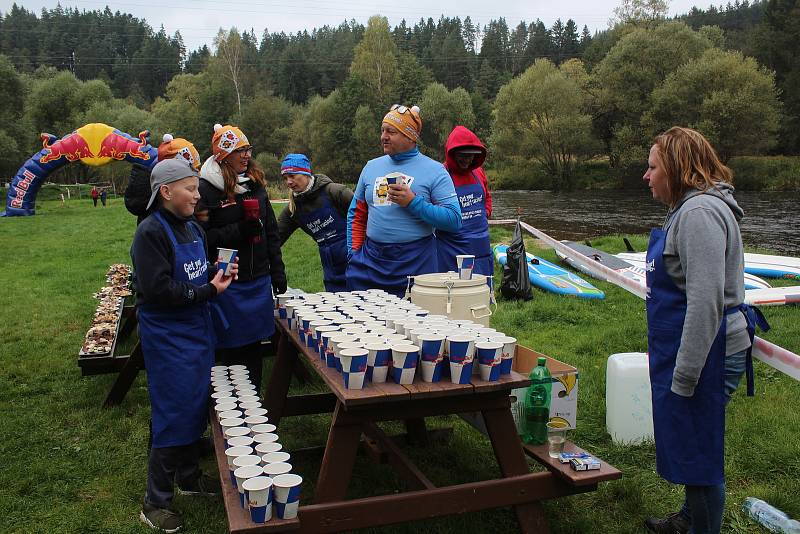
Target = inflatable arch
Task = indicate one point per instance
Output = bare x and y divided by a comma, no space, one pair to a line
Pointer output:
94,144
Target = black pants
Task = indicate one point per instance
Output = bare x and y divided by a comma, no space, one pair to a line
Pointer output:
168,466
251,355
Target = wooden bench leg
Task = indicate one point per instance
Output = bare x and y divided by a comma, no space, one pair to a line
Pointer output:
511,458
125,377
416,432
339,459
279,379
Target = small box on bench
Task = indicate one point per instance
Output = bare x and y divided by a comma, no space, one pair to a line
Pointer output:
564,396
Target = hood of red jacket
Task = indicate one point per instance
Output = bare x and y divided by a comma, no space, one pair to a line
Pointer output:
461,137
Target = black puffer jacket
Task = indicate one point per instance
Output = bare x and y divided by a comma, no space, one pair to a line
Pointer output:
222,228
137,194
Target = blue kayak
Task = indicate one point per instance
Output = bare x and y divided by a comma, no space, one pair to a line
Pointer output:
553,278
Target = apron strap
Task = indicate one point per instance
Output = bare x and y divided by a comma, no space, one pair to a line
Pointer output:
754,319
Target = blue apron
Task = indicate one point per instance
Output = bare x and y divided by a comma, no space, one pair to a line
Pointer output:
329,230
473,238
387,266
689,432
245,313
178,349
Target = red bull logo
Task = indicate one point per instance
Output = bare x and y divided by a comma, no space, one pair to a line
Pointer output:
117,145
73,147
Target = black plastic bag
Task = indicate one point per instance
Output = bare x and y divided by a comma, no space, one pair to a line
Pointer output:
516,285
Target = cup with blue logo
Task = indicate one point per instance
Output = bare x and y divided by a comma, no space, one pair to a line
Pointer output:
461,352
404,363
286,498
431,356
378,357
243,474
354,367
489,359
226,256
259,498
465,264
507,353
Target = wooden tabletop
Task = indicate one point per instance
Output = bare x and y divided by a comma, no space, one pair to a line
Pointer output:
389,391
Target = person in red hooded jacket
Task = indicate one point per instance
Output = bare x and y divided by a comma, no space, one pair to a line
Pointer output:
464,157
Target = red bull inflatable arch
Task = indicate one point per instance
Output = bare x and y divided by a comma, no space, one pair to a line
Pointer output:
94,144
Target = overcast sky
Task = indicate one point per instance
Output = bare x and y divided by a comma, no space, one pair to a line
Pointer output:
199,20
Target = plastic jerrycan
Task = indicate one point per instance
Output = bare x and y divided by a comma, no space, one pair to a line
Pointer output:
629,407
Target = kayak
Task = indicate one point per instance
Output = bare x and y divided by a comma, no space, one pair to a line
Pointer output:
551,277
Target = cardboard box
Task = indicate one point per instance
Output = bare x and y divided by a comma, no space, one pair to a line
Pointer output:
564,399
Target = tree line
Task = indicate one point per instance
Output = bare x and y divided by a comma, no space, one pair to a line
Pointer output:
546,100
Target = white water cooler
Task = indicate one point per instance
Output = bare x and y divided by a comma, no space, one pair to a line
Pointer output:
629,407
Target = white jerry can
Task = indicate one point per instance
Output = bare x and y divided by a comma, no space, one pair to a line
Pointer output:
446,294
629,406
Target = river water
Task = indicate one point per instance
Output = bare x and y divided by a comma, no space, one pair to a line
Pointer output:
771,219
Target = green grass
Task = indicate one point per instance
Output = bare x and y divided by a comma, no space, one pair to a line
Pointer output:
71,466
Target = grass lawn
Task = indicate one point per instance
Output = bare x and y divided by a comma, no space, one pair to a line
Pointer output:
71,466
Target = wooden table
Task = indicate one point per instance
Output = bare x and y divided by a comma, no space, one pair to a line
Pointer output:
356,412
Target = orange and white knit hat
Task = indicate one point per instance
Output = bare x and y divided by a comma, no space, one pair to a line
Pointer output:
176,147
227,139
406,120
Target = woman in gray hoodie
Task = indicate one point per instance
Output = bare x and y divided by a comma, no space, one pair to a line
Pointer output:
699,330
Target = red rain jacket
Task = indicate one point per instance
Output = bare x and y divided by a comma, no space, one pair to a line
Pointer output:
463,137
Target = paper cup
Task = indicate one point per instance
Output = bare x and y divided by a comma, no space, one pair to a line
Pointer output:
345,345
279,468
219,368
461,372
235,432
378,357
253,420
237,367
465,264
259,498
431,371
226,257
275,457
242,474
248,398
489,359
230,414
265,437
256,411
404,363
224,407
230,422
431,347
461,348
354,367
250,405
241,441
223,387
220,395
263,428
266,448
507,353
286,489
312,341
231,453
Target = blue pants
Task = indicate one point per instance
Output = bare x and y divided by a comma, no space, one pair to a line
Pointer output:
704,505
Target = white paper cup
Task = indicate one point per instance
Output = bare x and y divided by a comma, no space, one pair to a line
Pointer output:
231,422
256,411
258,491
226,258
224,407
465,264
230,414
354,366
263,428
237,367
241,441
220,394
253,420
236,431
249,405
266,448
286,495
248,398
489,356
219,368
246,460
275,457
245,473
404,363
279,468
266,437
231,453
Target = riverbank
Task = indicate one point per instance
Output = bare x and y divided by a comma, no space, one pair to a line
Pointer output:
751,173
72,466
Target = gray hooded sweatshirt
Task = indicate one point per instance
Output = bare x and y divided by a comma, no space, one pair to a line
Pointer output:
704,257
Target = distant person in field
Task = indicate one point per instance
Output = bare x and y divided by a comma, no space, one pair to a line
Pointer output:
174,286
138,191
318,206
95,194
401,198
699,331
103,196
464,157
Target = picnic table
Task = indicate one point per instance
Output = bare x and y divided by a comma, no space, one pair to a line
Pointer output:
357,412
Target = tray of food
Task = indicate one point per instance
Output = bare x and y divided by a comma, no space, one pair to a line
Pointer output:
101,337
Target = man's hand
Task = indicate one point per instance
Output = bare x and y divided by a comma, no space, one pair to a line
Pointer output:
401,194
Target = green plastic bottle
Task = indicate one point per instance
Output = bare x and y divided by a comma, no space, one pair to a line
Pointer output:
537,404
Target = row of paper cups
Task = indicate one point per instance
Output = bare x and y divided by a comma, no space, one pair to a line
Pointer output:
258,468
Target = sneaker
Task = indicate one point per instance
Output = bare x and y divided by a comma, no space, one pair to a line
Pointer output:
673,523
204,486
162,519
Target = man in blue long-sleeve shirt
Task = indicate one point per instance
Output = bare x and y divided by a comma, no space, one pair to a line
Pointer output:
401,198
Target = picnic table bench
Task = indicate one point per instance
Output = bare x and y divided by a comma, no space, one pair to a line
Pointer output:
357,412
